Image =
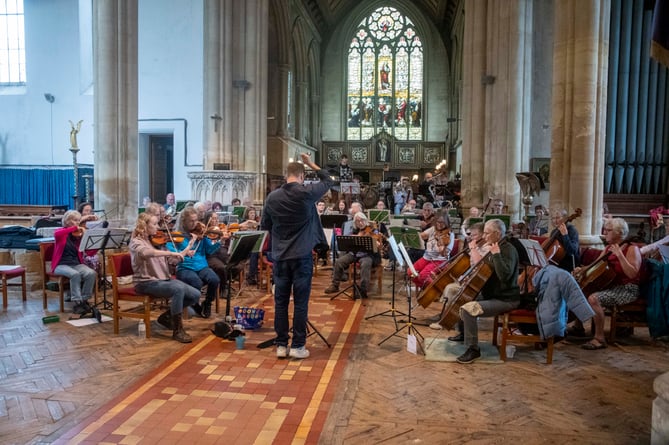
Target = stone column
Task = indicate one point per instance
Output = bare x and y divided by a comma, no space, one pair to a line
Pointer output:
496,99
580,65
115,109
235,88
302,107
659,433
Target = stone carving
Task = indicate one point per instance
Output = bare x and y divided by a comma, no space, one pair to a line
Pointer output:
359,155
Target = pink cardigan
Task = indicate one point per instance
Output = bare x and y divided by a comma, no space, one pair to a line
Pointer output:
59,247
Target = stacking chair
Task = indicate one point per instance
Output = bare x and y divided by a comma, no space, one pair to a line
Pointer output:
509,323
49,279
121,266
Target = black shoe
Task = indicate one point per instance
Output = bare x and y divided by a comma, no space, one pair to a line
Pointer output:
363,293
97,314
81,308
165,319
459,337
472,353
197,309
252,281
206,309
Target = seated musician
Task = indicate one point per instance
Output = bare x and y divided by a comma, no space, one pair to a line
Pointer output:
218,259
567,235
539,226
68,261
474,212
625,259
362,227
477,250
151,275
194,269
250,222
499,294
439,240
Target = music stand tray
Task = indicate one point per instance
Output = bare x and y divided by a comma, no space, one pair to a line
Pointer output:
408,236
101,239
354,244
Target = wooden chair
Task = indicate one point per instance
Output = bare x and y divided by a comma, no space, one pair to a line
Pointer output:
121,266
49,279
510,322
377,274
631,315
8,273
265,273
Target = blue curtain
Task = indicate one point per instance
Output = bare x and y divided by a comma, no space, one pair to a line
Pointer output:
42,185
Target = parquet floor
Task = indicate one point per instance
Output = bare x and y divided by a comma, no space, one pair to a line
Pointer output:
55,379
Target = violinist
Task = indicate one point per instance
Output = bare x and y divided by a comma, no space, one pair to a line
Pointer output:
218,260
151,275
362,227
69,261
499,294
195,270
439,240
625,259
567,234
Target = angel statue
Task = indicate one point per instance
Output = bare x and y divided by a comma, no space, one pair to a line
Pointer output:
73,133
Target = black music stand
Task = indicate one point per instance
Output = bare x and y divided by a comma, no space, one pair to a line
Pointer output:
239,252
408,325
354,244
399,263
103,239
333,222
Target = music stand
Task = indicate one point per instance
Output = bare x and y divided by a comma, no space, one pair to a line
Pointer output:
399,263
333,222
101,239
354,244
239,252
530,253
408,325
257,248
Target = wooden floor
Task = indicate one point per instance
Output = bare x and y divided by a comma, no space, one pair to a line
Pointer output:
54,377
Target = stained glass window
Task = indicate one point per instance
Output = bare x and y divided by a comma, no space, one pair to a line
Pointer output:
385,78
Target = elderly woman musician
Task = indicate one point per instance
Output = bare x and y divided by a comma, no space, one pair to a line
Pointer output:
151,275
68,260
439,240
624,259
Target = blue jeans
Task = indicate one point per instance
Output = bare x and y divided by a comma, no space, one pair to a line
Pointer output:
292,275
82,280
181,295
200,278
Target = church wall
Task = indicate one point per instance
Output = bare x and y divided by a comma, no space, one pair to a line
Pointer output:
52,66
542,79
171,86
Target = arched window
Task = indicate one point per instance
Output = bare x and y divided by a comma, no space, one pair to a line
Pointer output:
12,43
385,78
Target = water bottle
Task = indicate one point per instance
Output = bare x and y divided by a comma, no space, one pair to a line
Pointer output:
141,329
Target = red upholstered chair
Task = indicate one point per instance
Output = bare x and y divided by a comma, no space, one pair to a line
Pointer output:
121,266
509,324
8,273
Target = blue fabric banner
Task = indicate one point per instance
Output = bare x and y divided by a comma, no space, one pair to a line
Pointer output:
42,185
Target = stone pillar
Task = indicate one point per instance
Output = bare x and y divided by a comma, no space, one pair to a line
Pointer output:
235,89
115,108
496,99
302,106
282,113
580,65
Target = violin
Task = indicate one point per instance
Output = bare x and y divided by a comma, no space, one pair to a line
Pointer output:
159,239
177,237
443,237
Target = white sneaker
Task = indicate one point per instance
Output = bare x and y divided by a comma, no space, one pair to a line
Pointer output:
299,353
281,352
436,326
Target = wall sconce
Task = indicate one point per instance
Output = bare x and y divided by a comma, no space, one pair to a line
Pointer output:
241,84
487,79
49,97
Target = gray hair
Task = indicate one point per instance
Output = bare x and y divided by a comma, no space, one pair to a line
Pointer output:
619,226
498,224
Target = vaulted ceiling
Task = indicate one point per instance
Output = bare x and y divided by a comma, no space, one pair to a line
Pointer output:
326,14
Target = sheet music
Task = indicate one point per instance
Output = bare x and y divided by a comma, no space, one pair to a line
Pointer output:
396,251
407,260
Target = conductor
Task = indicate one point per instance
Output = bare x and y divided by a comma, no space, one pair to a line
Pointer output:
291,218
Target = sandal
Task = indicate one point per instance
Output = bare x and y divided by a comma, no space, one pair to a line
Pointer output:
594,344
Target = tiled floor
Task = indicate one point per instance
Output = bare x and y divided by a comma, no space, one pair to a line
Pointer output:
214,393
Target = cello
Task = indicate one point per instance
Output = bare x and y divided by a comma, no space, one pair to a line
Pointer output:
552,246
597,276
474,281
454,269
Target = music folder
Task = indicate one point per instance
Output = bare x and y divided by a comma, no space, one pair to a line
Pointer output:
97,239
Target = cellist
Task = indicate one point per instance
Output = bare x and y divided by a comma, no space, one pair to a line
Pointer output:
567,235
625,259
477,250
499,294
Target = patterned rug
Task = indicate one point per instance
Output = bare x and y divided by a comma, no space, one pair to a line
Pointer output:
225,395
442,350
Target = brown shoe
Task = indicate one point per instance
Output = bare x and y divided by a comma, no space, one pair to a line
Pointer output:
332,289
